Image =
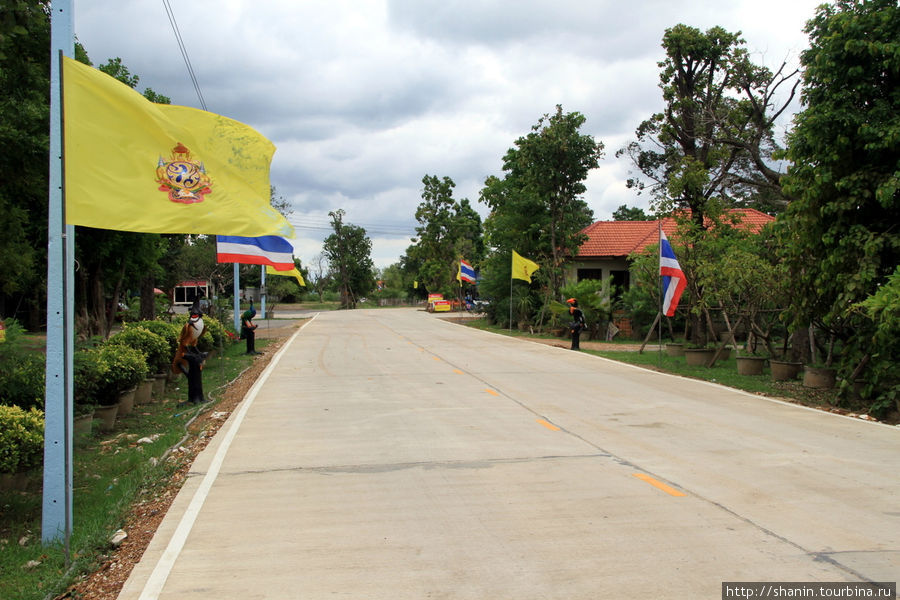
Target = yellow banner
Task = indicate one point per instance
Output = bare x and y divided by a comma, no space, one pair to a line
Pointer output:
134,165
522,268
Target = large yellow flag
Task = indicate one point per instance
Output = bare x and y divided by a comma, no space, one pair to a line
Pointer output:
133,165
270,270
522,268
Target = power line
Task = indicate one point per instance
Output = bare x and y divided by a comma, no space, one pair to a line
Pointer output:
320,223
184,54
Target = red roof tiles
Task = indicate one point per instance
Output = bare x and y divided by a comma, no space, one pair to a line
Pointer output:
621,238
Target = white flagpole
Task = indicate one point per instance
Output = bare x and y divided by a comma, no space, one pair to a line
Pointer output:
659,261
237,297
56,515
262,290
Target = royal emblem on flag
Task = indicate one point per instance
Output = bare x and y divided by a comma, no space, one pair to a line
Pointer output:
183,178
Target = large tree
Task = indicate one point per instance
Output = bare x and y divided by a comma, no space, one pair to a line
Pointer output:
348,251
448,230
841,236
537,209
711,147
24,142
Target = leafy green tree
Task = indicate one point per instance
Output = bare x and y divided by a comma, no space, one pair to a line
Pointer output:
537,209
448,230
630,213
711,146
840,236
348,251
24,126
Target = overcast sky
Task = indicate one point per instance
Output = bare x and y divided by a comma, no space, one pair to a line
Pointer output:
364,97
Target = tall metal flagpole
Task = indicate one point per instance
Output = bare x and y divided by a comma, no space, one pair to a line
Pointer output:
56,516
262,290
237,297
659,330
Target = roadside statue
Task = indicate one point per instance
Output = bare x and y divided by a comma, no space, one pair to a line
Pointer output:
188,358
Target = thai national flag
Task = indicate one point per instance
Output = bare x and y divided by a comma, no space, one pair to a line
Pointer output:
466,272
266,250
673,280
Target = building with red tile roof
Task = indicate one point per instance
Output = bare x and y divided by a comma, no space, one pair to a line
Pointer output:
604,254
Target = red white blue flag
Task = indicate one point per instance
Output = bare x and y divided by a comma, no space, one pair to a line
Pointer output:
673,280
466,272
266,250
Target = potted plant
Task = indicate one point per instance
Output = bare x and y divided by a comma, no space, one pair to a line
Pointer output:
126,368
750,364
90,370
21,444
784,370
698,356
675,349
169,332
820,377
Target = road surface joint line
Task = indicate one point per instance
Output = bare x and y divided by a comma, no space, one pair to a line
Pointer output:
153,587
375,468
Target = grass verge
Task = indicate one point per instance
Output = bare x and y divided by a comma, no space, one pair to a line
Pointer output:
723,372
111,471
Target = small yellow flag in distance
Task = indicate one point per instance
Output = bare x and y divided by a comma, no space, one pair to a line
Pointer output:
522,268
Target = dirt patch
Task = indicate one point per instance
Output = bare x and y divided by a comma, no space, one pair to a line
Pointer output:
146,515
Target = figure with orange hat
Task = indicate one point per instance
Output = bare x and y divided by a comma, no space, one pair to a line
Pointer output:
577,324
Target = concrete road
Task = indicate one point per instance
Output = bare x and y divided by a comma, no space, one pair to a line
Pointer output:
390,454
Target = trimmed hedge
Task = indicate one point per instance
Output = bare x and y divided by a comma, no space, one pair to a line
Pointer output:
21,439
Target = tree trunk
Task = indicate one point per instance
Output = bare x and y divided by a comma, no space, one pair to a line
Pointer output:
148,298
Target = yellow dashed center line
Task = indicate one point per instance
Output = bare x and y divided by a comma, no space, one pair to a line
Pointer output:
658,484
458,372
492,392
548,425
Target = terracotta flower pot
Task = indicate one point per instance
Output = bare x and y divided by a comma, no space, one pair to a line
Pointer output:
784,370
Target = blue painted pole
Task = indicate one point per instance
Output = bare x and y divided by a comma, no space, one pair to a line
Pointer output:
237,297
56,521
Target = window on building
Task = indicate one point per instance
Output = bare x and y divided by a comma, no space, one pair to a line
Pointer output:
590,274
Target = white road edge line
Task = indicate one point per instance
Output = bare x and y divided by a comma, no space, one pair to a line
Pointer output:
157,579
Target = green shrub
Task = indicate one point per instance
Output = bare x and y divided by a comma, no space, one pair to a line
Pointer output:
125,368
154,347
21,439
214,335
90,372
167,331
22,381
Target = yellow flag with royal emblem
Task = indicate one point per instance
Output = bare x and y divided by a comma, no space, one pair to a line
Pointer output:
133,165
522,268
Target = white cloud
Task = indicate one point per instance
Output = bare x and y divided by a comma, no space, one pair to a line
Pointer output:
363,98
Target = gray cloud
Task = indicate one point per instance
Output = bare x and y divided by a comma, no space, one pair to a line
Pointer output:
364,98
